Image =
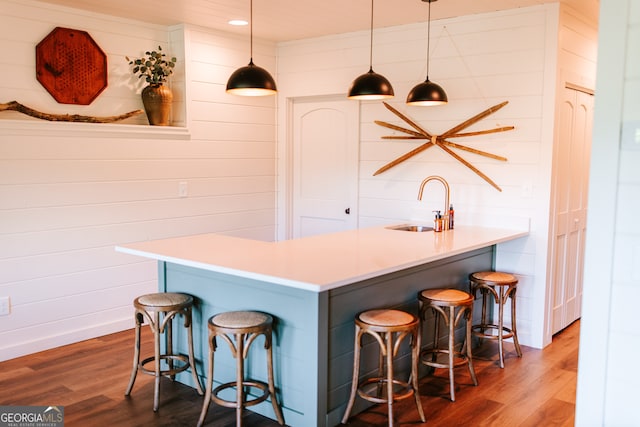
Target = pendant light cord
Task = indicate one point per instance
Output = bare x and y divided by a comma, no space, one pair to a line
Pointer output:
371,41
251,31
428,37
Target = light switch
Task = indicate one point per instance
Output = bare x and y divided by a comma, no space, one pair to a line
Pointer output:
631,135
5,306
183,189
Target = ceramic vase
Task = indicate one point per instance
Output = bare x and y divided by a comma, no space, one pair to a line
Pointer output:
157,104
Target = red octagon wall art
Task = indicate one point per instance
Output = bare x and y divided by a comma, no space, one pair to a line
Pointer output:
71,66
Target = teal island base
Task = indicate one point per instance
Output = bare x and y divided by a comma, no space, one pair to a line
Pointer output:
314,331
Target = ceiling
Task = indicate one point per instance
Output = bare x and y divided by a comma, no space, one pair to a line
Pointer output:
282,20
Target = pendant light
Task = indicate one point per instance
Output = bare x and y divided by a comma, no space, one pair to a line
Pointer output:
251,80
427,93
370,85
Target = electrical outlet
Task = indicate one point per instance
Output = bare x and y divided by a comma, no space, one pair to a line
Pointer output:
5,306
183,189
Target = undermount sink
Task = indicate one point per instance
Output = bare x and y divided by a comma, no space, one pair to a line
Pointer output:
411,227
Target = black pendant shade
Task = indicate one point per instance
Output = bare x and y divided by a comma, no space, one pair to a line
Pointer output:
251,80
427,94
370,85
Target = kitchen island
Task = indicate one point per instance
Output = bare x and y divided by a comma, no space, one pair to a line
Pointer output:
313,287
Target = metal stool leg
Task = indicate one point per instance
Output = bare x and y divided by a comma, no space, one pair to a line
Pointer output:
468,352
450,350
485,302
514,329
239,378
136,354
272,387
415,360
389,363
156,362
381,370
192,363
209,387
356,375
169,341
436,335
500,302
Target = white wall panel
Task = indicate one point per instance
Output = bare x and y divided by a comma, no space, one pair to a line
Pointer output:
71,192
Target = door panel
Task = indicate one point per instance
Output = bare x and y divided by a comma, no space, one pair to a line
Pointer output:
571,186
325,166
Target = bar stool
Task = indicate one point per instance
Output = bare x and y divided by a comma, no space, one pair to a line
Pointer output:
382,325
444,302
150,306
244,327
502,286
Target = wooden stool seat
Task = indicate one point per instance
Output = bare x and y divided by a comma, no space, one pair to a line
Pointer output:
240,329
444,302
494,278
150,307
385,318
446,297
502,286
238,320
382,324
167,301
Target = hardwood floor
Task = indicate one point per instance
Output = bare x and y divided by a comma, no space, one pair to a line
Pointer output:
89,379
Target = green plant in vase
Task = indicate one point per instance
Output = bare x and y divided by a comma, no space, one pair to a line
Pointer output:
155,68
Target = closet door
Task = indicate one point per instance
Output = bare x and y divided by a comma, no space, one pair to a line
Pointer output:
571,179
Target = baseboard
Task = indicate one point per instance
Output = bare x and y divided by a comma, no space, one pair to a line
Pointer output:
29,347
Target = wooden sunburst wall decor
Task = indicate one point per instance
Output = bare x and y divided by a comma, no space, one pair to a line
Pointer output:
441,140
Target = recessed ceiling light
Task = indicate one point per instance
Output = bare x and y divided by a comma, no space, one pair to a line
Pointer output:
238,22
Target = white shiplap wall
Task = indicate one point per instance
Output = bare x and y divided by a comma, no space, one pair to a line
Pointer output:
70,192
480,60
607,382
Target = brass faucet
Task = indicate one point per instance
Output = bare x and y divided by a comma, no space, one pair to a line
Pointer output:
446,196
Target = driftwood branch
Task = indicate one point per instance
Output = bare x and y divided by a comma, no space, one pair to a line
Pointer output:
403,158
482,132
449,144
399,128
440,140
474,119
470,166
402,137
471,150
16,106
408,120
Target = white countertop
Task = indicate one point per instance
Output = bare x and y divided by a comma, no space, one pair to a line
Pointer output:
323,262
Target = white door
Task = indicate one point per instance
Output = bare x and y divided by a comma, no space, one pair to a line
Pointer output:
570,219
325,166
